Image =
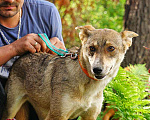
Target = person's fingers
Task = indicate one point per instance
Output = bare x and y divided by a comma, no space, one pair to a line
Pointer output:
57,43
30,42
61,46
29,47
54,41
51,52
48,50
41,42
37,46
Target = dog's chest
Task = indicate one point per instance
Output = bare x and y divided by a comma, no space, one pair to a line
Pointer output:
81,102
79,107
85,103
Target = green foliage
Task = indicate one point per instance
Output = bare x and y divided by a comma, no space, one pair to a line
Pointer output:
127,93
99,13
105,14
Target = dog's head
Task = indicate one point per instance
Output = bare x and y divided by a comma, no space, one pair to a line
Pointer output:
103,50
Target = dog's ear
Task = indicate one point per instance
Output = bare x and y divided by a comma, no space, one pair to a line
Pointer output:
85,31
127,38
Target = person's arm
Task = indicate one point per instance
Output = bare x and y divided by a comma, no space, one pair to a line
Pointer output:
55,30
55,24
27,44
21,46
6,53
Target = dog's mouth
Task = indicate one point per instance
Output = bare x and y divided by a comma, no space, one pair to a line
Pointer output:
99,76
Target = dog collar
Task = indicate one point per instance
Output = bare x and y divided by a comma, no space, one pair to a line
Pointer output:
85,71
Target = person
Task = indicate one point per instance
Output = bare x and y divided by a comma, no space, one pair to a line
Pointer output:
20,23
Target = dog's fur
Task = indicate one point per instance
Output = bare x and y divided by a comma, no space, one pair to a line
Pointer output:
57,88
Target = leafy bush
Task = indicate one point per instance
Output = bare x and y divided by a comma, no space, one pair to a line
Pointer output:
106,14
127,93
99,13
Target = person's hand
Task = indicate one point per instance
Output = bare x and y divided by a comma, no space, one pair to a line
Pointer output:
33,43
57,43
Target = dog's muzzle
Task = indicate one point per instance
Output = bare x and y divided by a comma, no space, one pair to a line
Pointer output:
98,73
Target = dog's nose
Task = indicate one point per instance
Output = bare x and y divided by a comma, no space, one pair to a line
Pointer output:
97,70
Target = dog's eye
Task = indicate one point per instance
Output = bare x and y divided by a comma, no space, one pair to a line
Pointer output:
110,49
92,49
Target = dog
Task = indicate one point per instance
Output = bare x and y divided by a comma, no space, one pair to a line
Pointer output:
61,88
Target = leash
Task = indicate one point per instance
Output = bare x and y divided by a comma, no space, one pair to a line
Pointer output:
63,53
45,38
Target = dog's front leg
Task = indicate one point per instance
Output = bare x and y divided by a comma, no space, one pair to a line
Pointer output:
91,114
50,117
95,109
55,112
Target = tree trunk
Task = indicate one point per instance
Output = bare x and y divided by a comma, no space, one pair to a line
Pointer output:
137,19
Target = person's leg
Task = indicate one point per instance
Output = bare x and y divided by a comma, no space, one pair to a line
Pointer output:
2,99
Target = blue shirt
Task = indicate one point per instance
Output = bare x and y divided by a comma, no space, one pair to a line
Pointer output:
38,16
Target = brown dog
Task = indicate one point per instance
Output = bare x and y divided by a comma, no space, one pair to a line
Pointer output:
61,88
